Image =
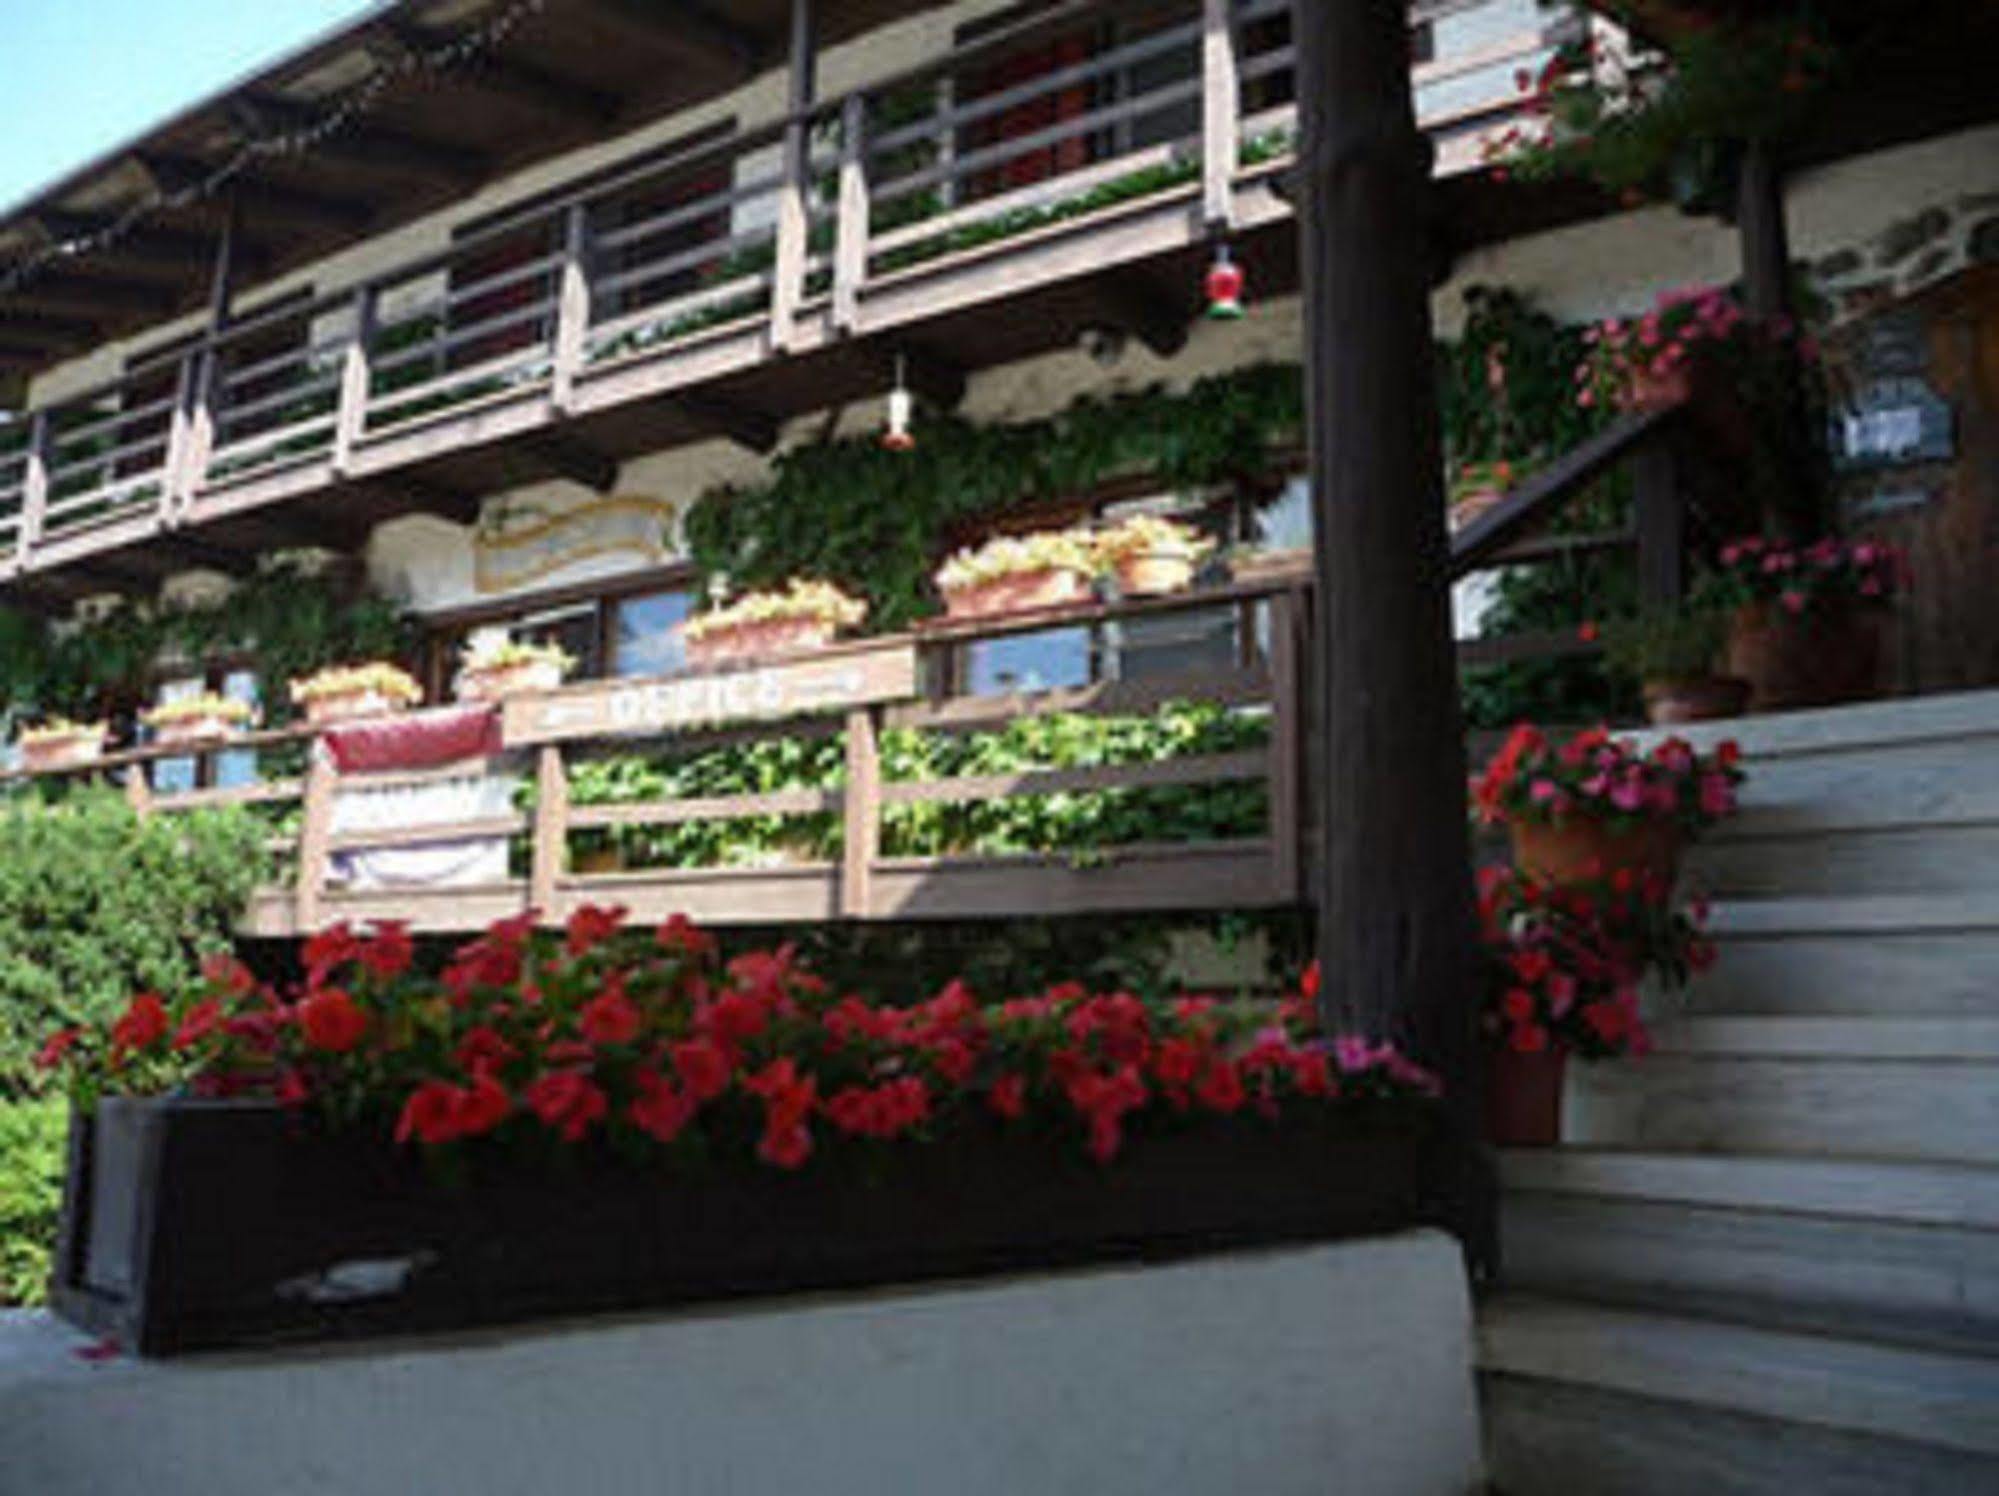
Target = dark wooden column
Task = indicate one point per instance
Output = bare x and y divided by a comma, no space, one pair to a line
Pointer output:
1396,921
1759,222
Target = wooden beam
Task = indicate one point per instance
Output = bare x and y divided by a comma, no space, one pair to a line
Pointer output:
566,455
260,199
142,241
1398,943
1141,304
936,380
504,73
753,430
95,293
690,25
204,554
33,326
372,147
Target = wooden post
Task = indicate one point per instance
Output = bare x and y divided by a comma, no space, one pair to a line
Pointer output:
350,421
861,841
572,304
1221,115
199,421
314,836
793,215
551,831
1287,827
850,249
1661,523
138,793
34,488
1397,936
1766,244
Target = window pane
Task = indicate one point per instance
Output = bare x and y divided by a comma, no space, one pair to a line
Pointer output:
1028,662
172,775
1170,643
572,630
1285,523
646,634
239,765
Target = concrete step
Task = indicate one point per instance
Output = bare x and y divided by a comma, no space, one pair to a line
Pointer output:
1908,955
1862,1088
1897,1252
1580,1399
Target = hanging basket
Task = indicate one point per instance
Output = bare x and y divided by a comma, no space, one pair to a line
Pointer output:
1581,849
1523,1097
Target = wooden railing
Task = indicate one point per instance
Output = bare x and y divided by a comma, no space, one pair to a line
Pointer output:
811,218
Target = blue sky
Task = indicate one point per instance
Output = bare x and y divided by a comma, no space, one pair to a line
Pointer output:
81,76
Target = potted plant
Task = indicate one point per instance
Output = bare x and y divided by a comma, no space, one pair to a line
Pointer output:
1018,573
759,625
493,667
1593,805
345,693
1563,968
1673,653
1806,620
198,718
62,744
714,1129
1150,556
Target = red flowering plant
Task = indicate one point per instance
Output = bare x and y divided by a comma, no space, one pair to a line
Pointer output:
1565,962
1800,579
646,1039
1595,776
1635,360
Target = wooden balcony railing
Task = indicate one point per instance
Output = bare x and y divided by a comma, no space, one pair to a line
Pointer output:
1158,123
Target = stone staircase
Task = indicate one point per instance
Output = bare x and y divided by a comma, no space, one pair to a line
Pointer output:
1766,1258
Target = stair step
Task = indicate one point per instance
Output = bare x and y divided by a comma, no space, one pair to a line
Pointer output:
1885,1038
1861,1101
1760,862
1922,1397
1933,954
1851,1248
1848,729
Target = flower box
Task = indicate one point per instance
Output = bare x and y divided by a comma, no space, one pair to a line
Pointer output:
1017,592
46,749
760,639
513,678
191,1224
347,693
349,706
1150,556
195,730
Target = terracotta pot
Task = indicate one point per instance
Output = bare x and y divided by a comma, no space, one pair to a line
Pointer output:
350,706
1579,849
1153,574
1649,391
497,682
1523,1097
1827,655
758,641
195,730
1018,592
1706,698
62,753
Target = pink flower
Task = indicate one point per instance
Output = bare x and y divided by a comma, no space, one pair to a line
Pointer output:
1717,795
1793,601
1629,793
1544,791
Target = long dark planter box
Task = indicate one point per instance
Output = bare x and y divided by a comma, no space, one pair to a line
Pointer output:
196,1224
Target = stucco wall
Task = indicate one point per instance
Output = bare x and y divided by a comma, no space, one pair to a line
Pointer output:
1317,1370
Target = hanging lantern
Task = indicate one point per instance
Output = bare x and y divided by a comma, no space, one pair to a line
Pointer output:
901,409
1225,287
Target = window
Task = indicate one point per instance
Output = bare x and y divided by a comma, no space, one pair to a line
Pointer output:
221,770
633,632
646,637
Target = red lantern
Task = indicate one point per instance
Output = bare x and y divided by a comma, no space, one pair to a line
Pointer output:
1225,287
897,437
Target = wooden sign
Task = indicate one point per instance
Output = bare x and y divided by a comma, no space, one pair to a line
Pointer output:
864,676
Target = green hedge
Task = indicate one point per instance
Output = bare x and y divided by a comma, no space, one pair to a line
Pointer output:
95,902
32,1137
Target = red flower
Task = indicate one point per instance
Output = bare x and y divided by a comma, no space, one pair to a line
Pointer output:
681,934
1221,1088
482,1049
57,1047
481,1106
702,1068
610,1017
203,1019
332,1021
786,1147
1008,1097
430,1115
659,1107
1530,1038
390,952
568,1103
590,926
331,947
225,971
143,1026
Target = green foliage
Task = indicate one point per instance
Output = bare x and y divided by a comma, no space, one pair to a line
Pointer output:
95,903
291,621
876,523
1507,384
1667,643
33,1136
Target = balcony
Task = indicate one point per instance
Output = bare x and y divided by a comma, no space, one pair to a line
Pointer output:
983,207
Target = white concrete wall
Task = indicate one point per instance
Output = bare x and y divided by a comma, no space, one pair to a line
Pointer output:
1333,1369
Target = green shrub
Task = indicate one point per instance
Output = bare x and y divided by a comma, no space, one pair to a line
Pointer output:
95,902
32,1134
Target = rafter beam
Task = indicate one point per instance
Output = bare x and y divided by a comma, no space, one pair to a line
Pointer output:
370,146
142,241
498,72
259,199
753,430
1142,306
691,25
35,326
94,294
567,456
204,554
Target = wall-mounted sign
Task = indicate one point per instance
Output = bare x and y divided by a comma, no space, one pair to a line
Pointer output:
512,549
1893,423
792,688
